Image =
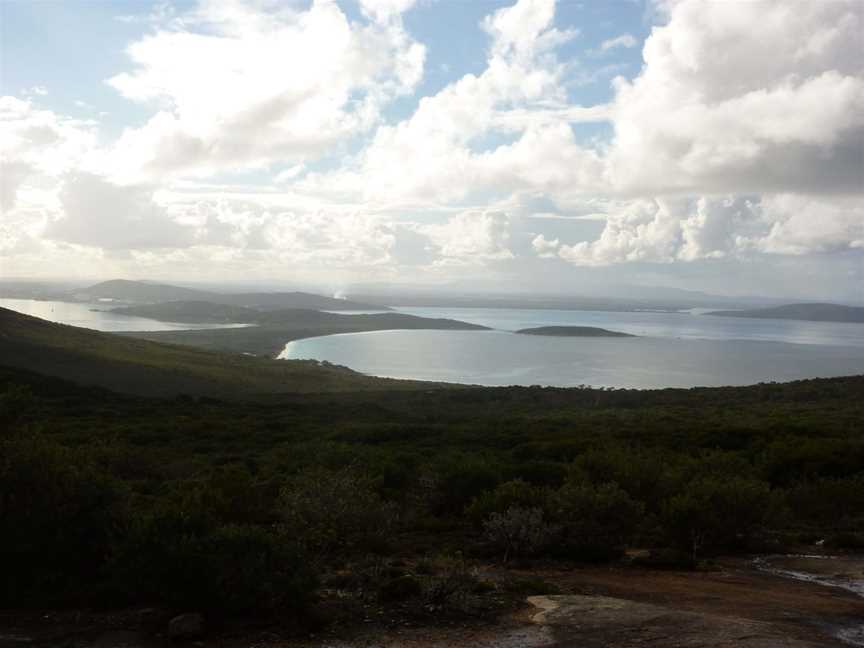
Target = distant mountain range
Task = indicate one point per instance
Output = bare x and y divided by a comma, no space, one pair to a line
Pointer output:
806,312
143,292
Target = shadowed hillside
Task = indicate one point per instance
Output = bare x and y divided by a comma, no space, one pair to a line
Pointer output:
141,367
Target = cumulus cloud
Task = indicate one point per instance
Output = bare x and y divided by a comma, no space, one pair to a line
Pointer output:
545,248
742,134
520,98
347,239
472,237
37,144
383,10
723,106
663,230
96,212
624,40
241,86
738,139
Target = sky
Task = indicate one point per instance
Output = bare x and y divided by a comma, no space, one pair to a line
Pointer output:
513,145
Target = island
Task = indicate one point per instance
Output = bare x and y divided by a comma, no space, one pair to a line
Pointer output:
804,312
572,331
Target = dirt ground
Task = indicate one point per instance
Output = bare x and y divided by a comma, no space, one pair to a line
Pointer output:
616,607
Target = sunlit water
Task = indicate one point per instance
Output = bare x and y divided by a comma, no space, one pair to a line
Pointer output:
673,350
96,316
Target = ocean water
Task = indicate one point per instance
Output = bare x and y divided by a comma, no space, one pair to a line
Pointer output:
96,316
672,350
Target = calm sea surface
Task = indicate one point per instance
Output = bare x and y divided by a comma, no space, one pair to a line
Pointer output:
95,316
673,350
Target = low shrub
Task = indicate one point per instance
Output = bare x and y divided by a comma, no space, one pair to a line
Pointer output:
451,583
518,532
59,514
182,560
512,494
333,512
597,520
716,513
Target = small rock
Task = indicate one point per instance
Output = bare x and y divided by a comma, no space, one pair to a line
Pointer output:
186,626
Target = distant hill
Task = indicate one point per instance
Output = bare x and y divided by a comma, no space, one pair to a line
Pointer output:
130,365
273,329
143,292
573,331
807,312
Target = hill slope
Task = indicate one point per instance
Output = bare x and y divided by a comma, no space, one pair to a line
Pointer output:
142,292
135,366
806,312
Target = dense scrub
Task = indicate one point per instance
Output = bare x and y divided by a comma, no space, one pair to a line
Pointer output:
242,507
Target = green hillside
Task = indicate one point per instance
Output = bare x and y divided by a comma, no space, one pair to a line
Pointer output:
136,366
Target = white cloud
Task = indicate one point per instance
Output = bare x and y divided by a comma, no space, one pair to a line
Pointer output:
384,10
242,87
803,225
37,146
37,90
742,135
545,248
765,124
96,212
624,40
723,106
472,237
520,93
664,230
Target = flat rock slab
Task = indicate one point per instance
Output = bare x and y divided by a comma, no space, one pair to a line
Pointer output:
606,622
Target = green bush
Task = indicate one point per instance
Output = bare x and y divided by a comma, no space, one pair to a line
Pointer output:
460,478
183,560
716,512
832,501
334,512
644,474
59,515
516,493
518,532
597,520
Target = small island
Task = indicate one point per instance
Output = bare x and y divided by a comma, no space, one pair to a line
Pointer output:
573,331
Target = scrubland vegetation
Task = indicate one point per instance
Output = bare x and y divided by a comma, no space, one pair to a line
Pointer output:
246,508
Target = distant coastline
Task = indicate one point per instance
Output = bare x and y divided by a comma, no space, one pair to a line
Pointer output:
802,312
